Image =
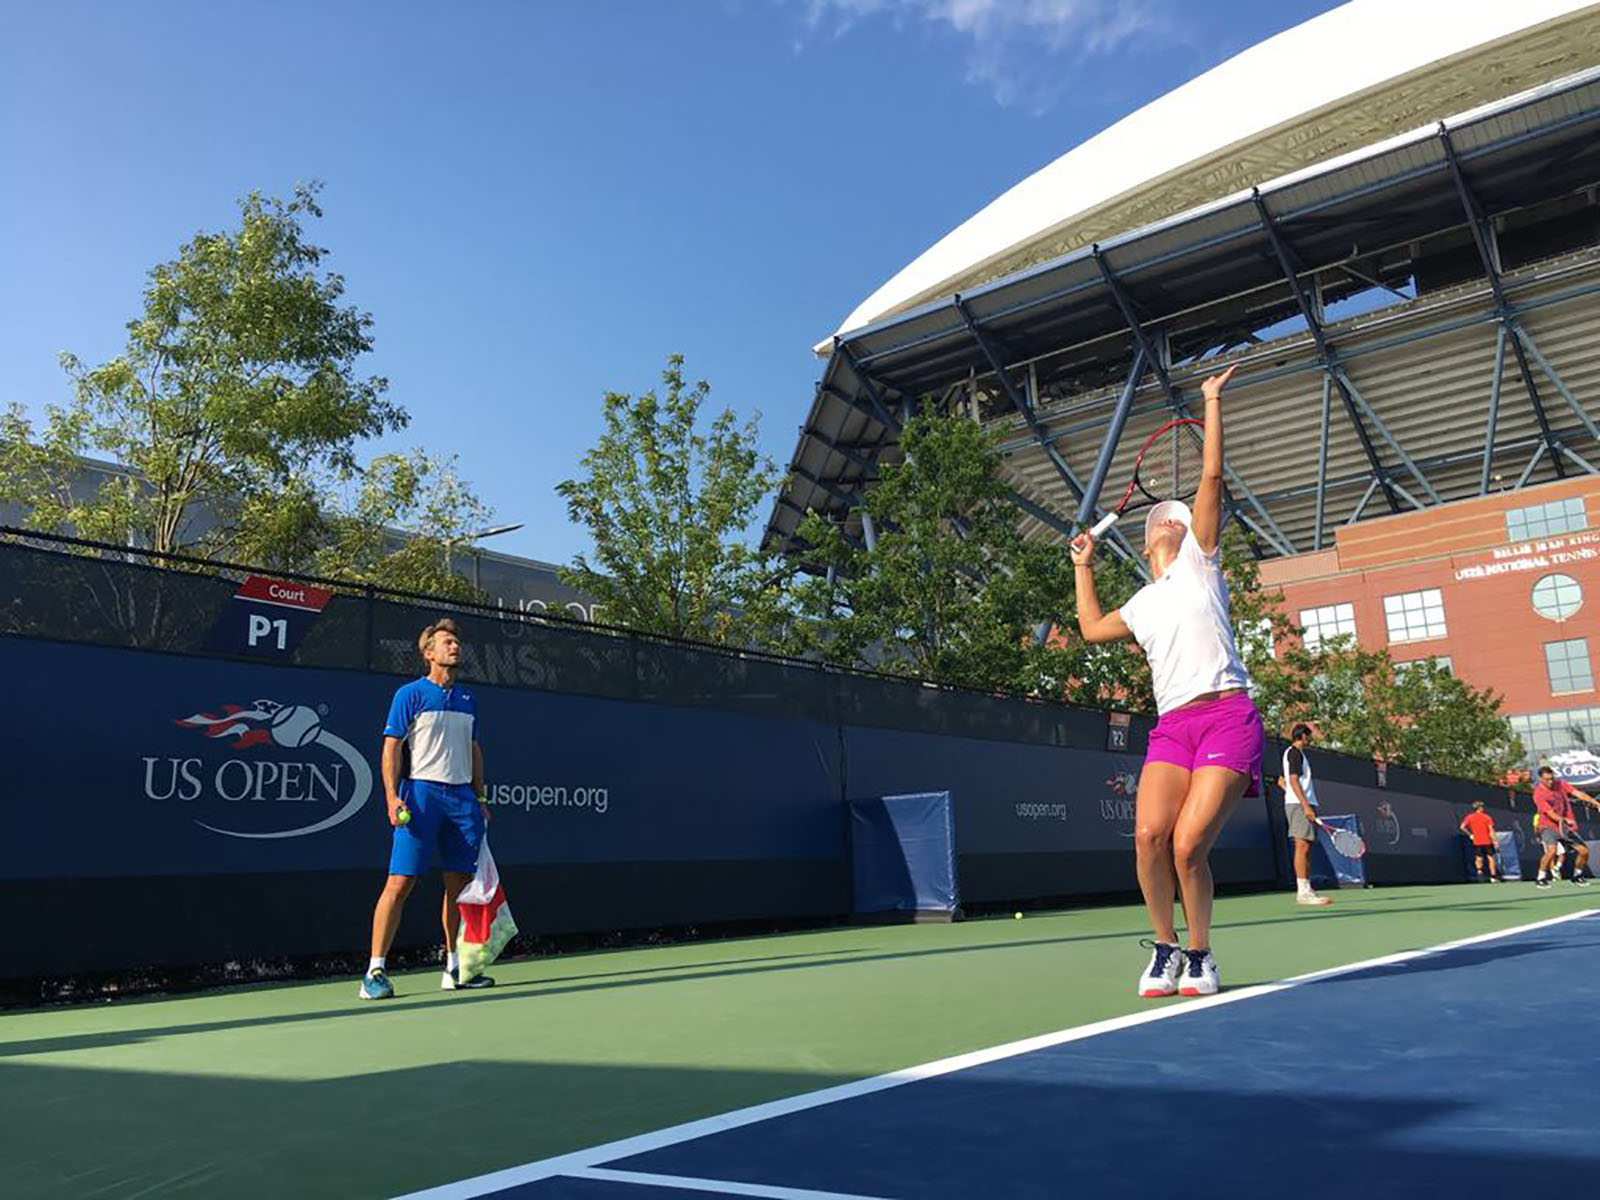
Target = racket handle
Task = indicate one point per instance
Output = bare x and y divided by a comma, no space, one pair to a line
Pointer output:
1103,524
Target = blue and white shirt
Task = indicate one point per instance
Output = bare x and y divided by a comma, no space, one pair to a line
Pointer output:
439,726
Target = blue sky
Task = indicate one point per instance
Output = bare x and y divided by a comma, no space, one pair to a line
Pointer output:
539,202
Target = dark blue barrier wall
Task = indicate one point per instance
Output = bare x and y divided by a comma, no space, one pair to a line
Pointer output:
161,765
178,809
1036,820
187,810
1410,838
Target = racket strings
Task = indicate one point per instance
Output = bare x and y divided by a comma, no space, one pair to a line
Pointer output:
1170,465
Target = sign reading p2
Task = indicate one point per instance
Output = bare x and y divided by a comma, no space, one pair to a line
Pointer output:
267,618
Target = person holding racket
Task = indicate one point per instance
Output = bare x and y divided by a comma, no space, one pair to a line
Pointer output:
1300,804
1205,751
1558,826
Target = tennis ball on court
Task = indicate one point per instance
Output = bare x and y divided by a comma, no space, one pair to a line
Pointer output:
1016,916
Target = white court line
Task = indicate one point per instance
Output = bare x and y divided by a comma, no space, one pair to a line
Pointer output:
594,1156
721,1187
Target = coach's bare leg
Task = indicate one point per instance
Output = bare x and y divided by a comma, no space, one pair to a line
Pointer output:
1213,791
1162,787
386,916
1302,859
454,881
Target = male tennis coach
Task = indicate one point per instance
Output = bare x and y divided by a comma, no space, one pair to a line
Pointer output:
433,783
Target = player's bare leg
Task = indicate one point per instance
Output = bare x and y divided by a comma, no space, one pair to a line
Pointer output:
1162,788
450,915
1213,793
375,983
1302,859
454,881
386,916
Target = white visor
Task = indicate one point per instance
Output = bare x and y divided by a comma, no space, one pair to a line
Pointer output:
1167,510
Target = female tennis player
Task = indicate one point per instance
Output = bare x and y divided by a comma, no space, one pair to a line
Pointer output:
1205,751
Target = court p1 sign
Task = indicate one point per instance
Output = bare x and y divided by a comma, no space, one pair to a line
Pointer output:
267,618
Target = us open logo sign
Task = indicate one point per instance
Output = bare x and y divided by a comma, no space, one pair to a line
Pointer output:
264,770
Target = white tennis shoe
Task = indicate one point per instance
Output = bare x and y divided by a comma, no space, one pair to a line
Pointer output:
1312,898
1199,974
1160,978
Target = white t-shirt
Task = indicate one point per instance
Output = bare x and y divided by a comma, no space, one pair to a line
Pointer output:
1290,800
1181,623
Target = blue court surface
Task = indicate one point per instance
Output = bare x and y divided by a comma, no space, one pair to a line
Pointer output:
1467,1067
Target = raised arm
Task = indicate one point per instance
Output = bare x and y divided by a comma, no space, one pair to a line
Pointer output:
1207,527
1094,625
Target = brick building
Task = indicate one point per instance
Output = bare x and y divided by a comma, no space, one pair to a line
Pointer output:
1505,589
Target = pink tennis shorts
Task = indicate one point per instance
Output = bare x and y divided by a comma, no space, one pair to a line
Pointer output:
1217,733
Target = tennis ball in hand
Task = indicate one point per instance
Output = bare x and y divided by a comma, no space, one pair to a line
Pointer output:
403,817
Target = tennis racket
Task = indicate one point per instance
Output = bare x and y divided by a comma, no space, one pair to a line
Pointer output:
1346,841
1168,468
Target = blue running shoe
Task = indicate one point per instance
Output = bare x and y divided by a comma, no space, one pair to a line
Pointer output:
452,982
375,985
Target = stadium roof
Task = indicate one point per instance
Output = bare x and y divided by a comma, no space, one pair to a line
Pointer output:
1346,79
1369,298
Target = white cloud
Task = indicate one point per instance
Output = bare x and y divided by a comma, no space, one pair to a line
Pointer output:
1017,49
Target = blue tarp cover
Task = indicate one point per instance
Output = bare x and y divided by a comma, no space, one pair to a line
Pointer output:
903,853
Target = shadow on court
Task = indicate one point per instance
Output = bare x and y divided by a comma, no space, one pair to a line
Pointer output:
1445,960
1377,1088
533,989
1027,1133
1448,960
1373,1092
1023,1129
72,1134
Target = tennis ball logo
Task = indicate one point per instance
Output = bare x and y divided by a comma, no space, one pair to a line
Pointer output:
295,725
332,769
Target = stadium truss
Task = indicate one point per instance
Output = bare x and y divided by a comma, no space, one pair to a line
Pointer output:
1416,323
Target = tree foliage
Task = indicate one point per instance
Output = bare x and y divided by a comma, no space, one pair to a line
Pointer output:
1415,714
951,591
233,416
405,526
668,506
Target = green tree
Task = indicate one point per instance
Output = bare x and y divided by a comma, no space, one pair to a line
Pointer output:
405,526
669,507
1415,714
1454,728
234,415
1279,684
236,393
951,591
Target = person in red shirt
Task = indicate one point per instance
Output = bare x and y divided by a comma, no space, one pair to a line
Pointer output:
1557,824
1479,826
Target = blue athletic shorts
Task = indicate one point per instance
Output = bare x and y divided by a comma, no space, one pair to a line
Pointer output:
443,815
